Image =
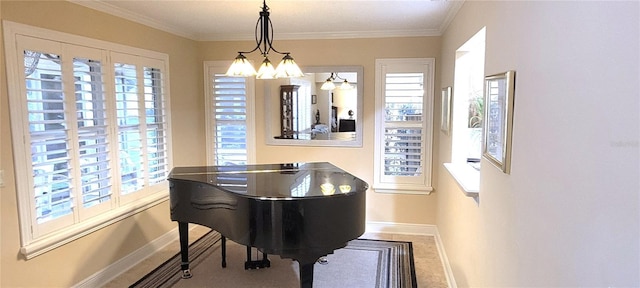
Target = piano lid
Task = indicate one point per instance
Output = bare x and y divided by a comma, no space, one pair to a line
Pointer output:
275,181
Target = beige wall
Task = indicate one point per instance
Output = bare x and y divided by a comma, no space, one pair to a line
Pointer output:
414,209
568,214
88,255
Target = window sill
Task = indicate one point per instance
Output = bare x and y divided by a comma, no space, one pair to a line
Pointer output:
402,189
64,236
467,178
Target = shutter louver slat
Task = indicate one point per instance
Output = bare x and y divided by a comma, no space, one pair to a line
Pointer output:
229,106
403,143
66,133
156,126
92,132
49,137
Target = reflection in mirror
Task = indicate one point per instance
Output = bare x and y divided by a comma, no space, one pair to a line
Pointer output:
323,108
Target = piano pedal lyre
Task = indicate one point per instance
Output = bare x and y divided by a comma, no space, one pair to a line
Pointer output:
256,264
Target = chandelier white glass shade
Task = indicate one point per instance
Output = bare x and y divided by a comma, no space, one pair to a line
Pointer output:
287,67
329,85
345,85
241,67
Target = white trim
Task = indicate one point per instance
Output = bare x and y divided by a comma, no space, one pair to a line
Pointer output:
455,7
404,184
210,69
208,111
325,35
132,16
81,229
112,271
448,273
408,189
467,177
401,228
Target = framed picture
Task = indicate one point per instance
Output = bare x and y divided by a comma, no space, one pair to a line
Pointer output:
314,99
445,114
498,119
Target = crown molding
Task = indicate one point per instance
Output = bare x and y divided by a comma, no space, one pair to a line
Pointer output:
134,17
144,20
455,7
325,35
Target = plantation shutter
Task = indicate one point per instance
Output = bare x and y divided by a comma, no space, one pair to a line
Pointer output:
230,120
130,134
157,125
68,135
142,120
82,112
93,137
48,135
403,124
403,132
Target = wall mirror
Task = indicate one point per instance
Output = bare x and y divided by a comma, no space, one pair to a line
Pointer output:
323,108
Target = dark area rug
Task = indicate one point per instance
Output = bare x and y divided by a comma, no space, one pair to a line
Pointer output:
362,263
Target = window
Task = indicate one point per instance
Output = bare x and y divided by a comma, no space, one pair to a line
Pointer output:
404,101
303,113
230,117
141,118
90,131
468,105
467,114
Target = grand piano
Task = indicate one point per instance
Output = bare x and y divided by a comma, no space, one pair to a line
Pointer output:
299,211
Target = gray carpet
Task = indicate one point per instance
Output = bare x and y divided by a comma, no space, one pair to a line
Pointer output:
362,263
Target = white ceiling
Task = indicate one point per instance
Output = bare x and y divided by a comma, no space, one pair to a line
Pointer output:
292,19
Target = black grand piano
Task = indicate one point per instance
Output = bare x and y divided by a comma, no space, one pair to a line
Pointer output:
300,211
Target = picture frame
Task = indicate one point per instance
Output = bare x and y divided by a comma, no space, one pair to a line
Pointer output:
498,119
314,99
445,114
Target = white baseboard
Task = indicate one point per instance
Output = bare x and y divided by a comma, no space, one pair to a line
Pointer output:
400,228
445,262
112,271
416,229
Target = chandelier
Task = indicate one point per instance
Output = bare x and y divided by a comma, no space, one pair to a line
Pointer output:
328,84
264,38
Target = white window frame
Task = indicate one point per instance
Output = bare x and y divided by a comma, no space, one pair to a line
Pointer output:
36,241
303,103
404,184
468,73
220,67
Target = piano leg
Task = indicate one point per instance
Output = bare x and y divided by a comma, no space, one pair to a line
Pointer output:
306,273
223,244
183,230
